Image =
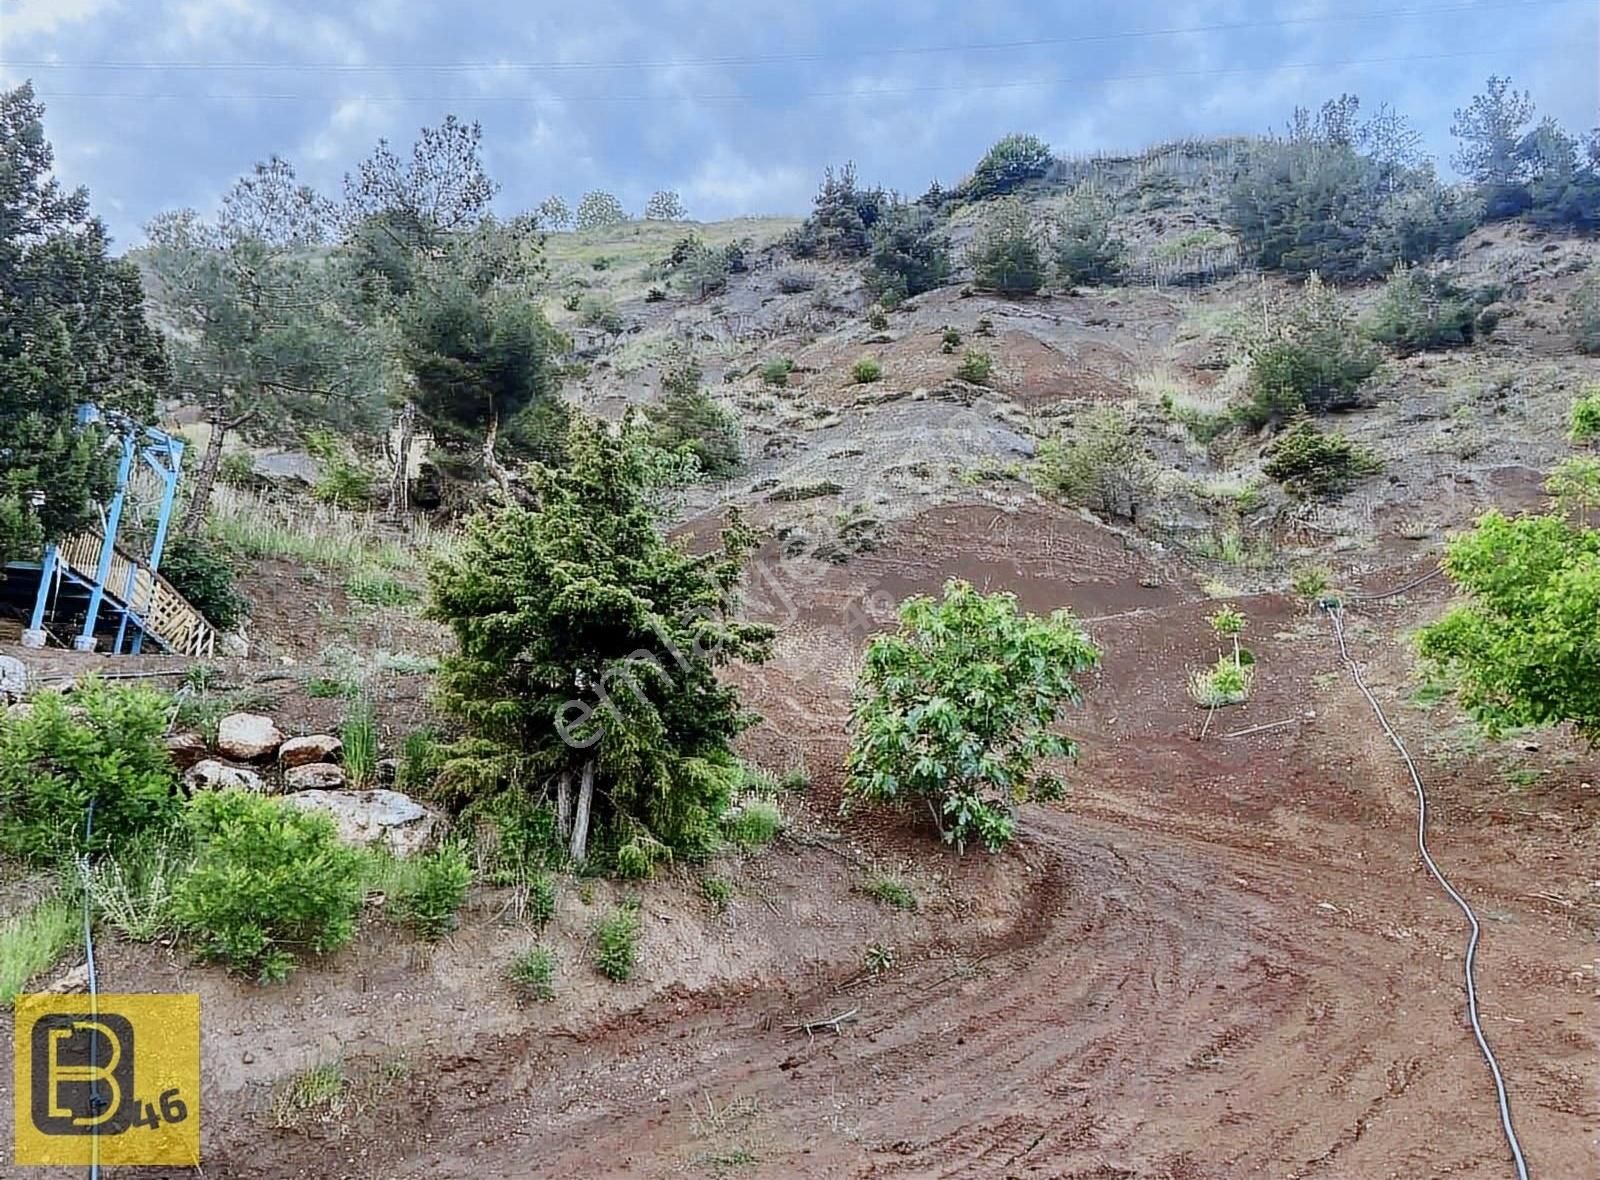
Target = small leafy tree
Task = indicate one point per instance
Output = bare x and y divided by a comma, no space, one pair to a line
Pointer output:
1521,650
553,212
104,744
588,646
1009,164
597,210
954,711
1585,417
1574,486
269,881
665,205
1005,255
1229,625
203,571
1490,131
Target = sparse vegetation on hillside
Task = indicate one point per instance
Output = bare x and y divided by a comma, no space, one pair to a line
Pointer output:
1100,464
687,418
1583,316
1419,311
954,711
842,218
1086,251
910,254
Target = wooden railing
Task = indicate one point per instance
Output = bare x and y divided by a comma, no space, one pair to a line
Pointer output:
165,614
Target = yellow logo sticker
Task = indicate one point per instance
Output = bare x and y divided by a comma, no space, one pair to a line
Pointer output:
115,1080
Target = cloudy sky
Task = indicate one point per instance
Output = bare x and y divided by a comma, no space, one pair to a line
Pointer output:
737,104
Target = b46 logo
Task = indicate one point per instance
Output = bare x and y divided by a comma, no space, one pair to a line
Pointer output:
116,1082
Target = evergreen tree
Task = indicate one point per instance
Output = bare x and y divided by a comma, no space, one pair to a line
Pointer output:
909,254
1005,255
72,330
588,646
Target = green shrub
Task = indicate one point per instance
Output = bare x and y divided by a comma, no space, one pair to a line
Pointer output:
865,371
541,904
1005,255
600,313
534,971
1224,683
428,890
910,254
54,759
237,469
1009,164
955,711
985,326
1585,417
842,217
1310,464
1086,254
1312,360
755,824
359,733
1309,581
203,571
33,941
1100,465
718,892
522,836
890,891
796,279
949,341
636,859
421,757
776,371
1419,311
269,882
977,367
344,480
687,418
616,943
375,587
1583,317
1574,487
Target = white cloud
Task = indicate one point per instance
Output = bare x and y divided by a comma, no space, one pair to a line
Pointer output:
726,184
25,19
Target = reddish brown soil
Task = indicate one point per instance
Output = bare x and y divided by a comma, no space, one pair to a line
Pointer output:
1219,959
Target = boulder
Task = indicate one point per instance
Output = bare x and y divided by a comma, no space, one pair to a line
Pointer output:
13,679
314,776
187,749
370,818
212,775
319,747
248,737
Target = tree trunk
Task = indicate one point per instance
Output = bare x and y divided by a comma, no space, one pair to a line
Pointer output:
400,481
564,804
580,823
200,493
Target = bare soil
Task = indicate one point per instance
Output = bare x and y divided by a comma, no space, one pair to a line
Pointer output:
1219,959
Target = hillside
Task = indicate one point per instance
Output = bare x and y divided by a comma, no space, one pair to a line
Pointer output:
1215,958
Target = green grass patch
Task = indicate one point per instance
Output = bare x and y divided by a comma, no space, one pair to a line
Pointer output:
890,890
534,972
616,943
32,943
755,824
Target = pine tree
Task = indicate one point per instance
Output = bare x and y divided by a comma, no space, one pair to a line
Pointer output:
588,646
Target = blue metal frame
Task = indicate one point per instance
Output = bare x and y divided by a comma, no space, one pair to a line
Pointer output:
163,454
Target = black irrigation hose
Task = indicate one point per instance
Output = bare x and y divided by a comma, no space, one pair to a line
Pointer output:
1336,615
1398,590
95,1097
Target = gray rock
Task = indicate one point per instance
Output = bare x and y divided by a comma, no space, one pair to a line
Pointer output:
212,775
248,737
373,818
314,776
13,679
318,747
187,749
